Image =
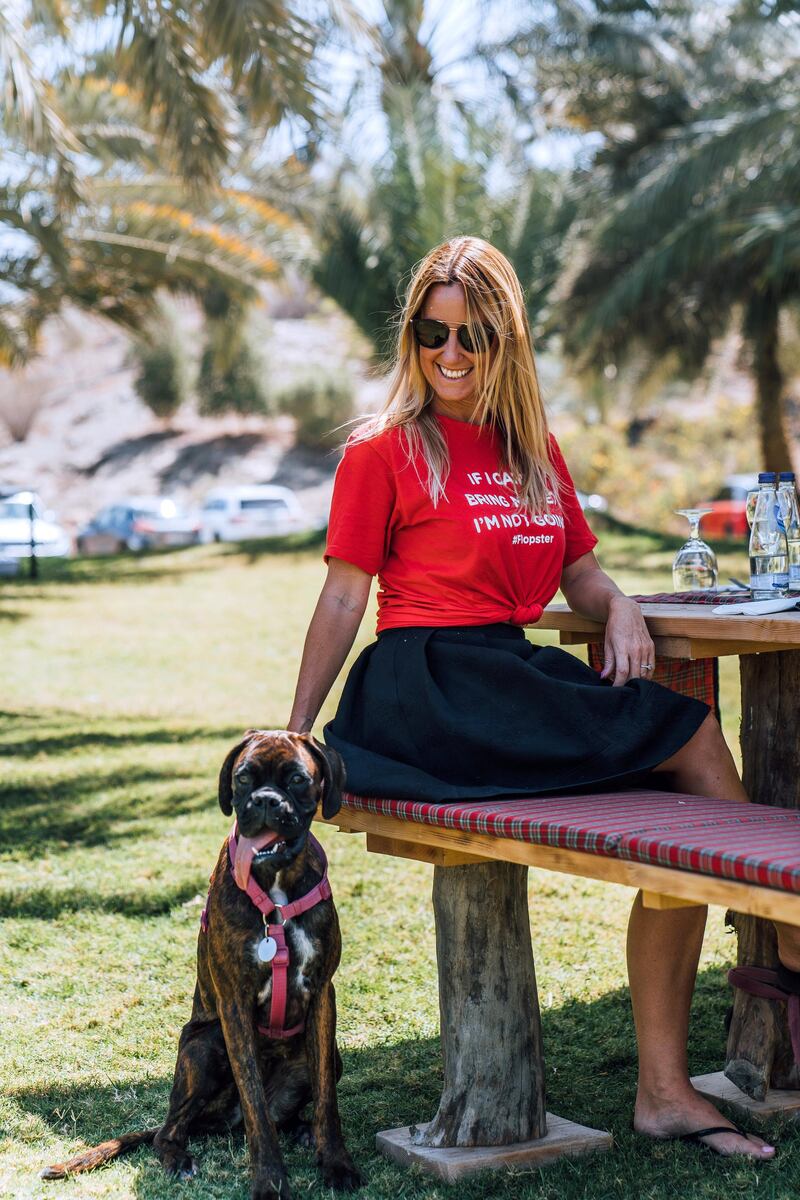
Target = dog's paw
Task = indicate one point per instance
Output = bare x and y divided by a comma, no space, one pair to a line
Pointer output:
274,1188
303,1135
342,1174
188,1169
178,1162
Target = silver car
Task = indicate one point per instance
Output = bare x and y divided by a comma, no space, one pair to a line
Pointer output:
138,523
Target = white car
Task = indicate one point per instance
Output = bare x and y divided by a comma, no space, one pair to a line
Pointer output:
232,514
50,540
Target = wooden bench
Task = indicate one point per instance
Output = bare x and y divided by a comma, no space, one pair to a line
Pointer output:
679,850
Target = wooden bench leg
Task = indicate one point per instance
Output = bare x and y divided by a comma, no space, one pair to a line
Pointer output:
492,1108
759,1053
489,1009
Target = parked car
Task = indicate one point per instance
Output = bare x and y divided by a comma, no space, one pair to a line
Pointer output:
232,514
728,517
50,539
138,523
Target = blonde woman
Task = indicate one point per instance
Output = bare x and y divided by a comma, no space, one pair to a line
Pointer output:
457,497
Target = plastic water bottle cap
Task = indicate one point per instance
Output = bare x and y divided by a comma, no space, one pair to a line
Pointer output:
784,475
766,477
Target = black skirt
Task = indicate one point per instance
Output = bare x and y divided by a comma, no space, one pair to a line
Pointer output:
479,711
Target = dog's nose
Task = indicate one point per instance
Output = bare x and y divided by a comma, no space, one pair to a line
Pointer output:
277,804
272,803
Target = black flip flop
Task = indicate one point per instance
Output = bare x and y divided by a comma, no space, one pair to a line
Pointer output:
696,1136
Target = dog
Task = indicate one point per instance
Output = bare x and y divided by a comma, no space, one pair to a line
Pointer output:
261,1041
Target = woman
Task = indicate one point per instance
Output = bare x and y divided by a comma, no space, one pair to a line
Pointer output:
459,500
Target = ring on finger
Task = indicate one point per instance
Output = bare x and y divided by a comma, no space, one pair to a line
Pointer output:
646,667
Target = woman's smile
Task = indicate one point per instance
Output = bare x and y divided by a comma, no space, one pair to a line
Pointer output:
448,374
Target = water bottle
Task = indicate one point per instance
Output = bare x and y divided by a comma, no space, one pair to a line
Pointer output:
769,557
787,500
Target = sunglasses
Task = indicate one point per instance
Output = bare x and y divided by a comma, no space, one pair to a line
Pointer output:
434,334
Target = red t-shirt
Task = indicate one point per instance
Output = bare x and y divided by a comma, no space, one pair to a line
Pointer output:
472,559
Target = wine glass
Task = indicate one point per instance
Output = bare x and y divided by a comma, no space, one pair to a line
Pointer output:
694,568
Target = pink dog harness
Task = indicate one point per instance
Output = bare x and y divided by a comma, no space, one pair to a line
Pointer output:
272,948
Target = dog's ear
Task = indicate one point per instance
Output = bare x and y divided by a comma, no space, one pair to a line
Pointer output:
225,785
330,761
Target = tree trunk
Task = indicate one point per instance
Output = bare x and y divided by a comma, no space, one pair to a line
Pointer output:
491,1035
761,326
759,1054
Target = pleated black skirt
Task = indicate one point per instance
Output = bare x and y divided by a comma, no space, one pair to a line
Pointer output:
479,711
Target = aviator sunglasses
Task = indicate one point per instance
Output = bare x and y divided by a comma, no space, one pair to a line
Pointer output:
433,334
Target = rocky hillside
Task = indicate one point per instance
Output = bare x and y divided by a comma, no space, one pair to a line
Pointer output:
84,439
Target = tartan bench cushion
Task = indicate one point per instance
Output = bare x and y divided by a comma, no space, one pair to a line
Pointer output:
752,843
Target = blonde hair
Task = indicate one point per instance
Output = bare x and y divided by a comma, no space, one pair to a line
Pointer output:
507,395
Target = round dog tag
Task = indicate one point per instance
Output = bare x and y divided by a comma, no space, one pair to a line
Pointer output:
267,949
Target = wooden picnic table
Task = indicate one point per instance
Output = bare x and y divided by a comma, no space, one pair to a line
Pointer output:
492,1107
759,1053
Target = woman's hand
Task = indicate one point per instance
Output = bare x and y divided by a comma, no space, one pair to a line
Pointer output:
629,649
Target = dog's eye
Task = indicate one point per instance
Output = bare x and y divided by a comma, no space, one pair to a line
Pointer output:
244,777
296,779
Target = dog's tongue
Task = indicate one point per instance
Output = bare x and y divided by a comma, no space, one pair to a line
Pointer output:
245,849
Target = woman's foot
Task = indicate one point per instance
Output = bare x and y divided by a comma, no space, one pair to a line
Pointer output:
682,1112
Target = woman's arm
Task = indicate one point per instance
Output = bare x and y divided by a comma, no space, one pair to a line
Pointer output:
330,637
628,645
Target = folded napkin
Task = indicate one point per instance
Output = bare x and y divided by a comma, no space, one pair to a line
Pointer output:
755,608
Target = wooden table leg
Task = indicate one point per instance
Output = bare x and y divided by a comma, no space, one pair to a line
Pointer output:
759,1053
489,1008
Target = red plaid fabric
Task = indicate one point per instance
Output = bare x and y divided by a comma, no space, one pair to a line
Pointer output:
694,597
752,843
696,677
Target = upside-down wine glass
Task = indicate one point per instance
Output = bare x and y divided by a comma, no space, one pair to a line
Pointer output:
694,568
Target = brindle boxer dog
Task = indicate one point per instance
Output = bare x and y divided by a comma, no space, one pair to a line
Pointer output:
226,1070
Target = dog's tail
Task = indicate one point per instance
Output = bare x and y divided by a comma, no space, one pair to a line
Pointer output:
98,1155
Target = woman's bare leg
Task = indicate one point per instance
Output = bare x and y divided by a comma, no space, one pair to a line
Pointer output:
663,953
788,945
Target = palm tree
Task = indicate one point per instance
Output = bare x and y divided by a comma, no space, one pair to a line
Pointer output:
189,65
376,218
134,164
696,187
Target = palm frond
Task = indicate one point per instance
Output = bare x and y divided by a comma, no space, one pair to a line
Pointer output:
768,246
160,57
30,111
50,15
657,299
701,161
268,48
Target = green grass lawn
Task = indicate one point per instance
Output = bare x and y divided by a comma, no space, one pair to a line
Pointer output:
124,683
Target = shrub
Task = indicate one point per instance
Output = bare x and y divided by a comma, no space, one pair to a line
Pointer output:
162,376
237,386
320,404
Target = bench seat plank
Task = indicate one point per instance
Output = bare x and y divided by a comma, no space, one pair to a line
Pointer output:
752,843
746,857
